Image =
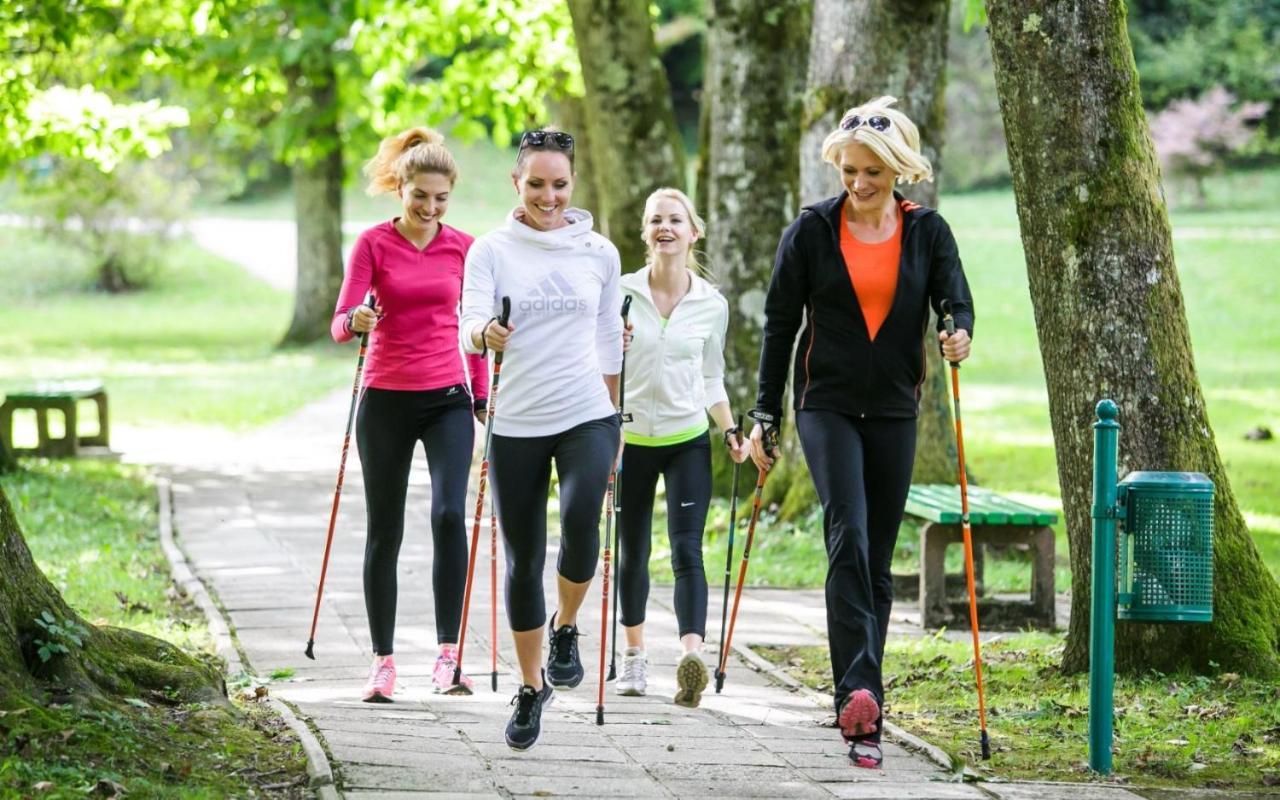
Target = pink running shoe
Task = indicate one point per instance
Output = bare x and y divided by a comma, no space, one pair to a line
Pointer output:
859,714
442,675
381,683
866,754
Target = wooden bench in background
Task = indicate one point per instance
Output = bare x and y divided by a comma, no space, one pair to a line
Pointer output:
63,398
993,519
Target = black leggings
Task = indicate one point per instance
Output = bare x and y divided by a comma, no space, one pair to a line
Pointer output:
686,471
389,426
862,471
521,468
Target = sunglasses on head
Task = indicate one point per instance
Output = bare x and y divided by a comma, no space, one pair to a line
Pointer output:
557,139
876,123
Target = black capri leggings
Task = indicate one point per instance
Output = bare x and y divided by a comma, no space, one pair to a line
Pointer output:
862,471
686,471
389,426
521,465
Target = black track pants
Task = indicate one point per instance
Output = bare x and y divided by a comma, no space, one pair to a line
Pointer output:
862,471
521,469
686,471
389,426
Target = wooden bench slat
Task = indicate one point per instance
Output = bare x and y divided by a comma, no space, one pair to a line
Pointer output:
941,504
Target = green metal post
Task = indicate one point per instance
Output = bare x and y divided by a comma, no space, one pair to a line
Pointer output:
1102,624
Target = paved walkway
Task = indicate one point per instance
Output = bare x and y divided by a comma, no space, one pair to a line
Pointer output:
251,516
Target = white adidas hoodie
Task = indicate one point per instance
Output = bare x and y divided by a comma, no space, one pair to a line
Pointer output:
674,373
565,306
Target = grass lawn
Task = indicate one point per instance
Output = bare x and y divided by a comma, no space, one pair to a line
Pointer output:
196,348
1170,730
91,527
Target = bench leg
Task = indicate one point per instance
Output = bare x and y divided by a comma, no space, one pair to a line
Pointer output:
103,437
6,427
1042,563
934,539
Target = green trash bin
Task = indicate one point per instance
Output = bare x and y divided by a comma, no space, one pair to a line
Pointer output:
1166,547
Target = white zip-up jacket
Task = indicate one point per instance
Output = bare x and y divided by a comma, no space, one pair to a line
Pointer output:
565,304
674,373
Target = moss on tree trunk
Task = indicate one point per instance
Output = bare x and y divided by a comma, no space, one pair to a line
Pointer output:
110,664
756,73
1109,313
317,191
629,116
860,51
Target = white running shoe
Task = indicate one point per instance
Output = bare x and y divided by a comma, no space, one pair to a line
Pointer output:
633,679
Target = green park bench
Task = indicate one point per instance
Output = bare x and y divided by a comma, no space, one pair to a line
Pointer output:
993,519
62,397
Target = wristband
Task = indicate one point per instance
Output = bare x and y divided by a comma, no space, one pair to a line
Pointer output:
351,312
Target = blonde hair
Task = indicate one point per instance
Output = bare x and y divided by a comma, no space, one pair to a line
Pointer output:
898,146
405,155
695,222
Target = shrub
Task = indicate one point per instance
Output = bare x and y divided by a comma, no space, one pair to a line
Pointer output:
1194,138
122,220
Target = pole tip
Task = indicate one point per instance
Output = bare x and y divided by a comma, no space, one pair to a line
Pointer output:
310,652
986,746
719,681
599,715
613,672
493,681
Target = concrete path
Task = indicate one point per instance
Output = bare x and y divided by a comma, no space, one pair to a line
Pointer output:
251,515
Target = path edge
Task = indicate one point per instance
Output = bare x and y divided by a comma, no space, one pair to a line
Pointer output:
319,770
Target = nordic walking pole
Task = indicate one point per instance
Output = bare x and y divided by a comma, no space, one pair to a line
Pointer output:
484,479
371,302
770,446
617,497
728,562
493,594
950,324
610,496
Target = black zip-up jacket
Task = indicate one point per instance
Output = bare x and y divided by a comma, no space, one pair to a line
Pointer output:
838,366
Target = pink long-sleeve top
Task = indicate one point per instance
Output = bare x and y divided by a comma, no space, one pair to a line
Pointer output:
415,345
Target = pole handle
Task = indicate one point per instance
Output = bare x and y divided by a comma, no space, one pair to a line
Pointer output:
950,323
506,311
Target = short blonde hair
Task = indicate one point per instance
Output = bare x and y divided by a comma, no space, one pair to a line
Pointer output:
695,222
407,154
898,146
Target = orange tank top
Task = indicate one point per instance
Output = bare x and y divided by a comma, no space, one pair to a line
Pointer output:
873,271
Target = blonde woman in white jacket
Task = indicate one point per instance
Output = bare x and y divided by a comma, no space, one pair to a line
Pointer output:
675,378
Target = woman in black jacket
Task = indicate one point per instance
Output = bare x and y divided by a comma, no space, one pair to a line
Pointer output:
861,270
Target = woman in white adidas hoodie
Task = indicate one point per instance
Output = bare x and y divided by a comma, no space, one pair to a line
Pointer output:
557,403
675,377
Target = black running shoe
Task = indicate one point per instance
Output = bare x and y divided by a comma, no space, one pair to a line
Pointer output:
526,722
564,665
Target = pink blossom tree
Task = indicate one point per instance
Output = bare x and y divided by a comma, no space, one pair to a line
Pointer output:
1193,137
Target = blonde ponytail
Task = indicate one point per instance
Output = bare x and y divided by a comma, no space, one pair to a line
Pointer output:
407,154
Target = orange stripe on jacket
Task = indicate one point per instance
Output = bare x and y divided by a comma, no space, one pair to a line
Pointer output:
873,271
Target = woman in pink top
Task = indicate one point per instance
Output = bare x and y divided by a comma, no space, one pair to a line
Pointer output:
417,388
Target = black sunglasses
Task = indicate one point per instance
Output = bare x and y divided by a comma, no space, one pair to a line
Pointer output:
557,139
877,123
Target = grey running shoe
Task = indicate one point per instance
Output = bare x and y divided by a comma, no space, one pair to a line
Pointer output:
691,679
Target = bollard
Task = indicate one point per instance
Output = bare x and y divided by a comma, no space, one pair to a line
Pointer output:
1103,608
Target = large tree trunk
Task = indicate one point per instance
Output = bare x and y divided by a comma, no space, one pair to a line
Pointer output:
317,191
860,51
1109,313
111,661
755,70
570,114
629,116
